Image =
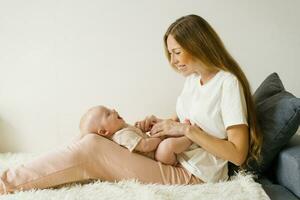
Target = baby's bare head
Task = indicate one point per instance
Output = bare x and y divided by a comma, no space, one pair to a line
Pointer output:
102,121
91,120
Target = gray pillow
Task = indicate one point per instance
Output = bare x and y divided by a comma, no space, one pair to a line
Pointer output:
278,113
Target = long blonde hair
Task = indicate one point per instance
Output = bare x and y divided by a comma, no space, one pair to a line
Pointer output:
200,40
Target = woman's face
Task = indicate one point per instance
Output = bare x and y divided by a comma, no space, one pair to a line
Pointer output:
181,59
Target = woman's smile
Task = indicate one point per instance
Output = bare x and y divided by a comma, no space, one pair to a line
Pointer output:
181,67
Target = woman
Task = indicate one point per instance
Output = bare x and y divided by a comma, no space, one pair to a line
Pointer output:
216,99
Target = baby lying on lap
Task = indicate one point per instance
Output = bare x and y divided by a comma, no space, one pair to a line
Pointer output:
107,123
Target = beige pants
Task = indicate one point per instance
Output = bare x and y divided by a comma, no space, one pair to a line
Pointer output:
92,157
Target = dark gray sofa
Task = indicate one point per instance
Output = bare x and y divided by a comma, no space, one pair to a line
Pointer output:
278,117
282,180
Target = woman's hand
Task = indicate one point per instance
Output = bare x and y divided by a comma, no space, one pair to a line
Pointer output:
169,127
146,124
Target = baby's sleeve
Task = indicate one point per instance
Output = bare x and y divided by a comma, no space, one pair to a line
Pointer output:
127,138
233,103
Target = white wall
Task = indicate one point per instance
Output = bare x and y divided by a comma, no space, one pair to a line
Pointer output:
59,57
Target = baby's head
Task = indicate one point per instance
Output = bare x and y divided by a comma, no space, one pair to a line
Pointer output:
102,121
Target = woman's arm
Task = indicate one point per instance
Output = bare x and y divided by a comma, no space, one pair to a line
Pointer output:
235,149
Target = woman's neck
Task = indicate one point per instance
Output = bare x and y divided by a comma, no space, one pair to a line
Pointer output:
206,75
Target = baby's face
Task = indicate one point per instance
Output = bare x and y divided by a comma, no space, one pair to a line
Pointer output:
110,120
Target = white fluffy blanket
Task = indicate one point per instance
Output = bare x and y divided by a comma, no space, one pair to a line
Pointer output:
240,187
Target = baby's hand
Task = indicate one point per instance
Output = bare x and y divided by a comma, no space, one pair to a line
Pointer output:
147,124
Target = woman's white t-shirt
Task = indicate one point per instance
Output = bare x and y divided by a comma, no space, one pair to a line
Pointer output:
214,106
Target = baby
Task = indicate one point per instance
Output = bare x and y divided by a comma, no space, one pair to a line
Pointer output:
107,123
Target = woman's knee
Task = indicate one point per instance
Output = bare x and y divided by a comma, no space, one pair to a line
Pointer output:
90,138
92,143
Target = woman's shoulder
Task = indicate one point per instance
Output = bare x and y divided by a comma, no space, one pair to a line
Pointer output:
228,78
227,75
231,84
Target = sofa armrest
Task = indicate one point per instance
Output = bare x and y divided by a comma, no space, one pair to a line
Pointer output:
288,166
278,192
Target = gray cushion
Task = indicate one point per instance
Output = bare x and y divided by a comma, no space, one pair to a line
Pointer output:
278,113
288,169
269,87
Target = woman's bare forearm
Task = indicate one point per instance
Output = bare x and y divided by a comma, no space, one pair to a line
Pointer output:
221,148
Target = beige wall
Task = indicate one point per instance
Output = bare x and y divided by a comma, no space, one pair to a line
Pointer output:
57,58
